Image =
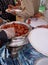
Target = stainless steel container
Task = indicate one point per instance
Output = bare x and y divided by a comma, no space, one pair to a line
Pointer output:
20,40
17,43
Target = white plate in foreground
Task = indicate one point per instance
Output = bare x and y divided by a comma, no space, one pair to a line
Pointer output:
43,61
39,40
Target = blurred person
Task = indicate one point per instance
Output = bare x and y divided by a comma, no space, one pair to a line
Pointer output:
46,4
3,6
29,8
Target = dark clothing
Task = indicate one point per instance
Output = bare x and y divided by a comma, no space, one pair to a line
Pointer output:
3,38
3,6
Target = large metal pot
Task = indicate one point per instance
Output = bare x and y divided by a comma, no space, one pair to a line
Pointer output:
20,40
17,43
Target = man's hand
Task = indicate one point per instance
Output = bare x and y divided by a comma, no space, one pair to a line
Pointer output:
10,6
13,12
13,7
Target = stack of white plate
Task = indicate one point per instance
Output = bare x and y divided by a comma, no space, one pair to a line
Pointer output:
39,40
34,22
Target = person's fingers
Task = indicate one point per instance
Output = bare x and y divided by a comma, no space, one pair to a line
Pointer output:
10,6
14,13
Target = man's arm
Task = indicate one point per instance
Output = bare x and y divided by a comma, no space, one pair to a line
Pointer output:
27,8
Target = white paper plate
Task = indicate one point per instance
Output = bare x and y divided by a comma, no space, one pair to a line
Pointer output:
13,10
37,22
39,40
43,61
17,10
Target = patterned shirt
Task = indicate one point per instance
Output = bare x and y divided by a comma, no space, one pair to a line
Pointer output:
5,3
26,56
3,6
